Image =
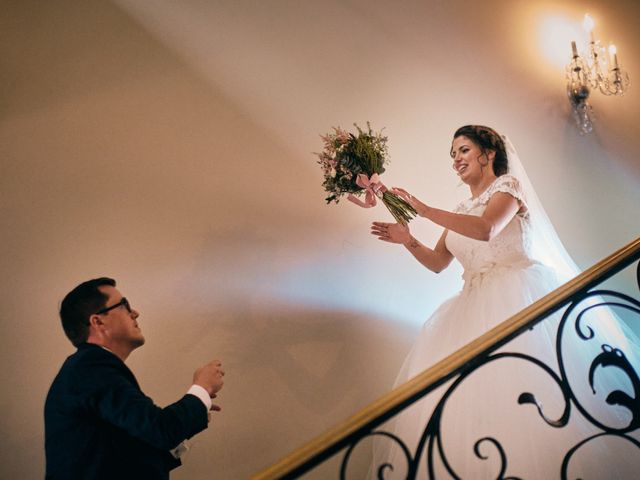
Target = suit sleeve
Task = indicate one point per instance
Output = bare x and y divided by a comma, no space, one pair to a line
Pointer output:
116,398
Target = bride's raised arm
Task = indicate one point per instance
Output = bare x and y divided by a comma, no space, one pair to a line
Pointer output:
500,210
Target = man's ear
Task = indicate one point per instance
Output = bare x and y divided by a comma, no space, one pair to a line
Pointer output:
95,321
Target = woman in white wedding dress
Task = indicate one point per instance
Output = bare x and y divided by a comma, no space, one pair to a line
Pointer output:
492,234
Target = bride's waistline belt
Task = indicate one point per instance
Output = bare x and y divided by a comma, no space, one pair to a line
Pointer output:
473,278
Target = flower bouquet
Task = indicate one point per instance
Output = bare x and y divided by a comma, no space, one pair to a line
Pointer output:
352,164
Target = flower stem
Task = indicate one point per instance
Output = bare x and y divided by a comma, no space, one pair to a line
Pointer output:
401,210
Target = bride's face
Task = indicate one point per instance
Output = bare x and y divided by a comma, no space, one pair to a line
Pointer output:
468,159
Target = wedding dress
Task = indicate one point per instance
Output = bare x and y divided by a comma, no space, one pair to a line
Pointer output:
501,277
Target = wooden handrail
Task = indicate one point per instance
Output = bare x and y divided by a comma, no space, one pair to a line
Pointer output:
332,440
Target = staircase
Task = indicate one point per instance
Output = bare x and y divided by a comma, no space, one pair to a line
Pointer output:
569,301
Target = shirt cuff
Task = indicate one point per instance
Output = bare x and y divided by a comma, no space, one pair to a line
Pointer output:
202,394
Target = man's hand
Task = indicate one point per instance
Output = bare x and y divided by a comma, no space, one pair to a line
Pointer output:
209,377
214,408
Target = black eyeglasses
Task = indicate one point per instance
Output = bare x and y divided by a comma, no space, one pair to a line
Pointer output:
124,302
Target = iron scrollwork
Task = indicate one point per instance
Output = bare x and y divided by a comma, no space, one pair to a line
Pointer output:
597,303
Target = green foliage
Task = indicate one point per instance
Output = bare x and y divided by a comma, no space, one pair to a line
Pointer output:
346,155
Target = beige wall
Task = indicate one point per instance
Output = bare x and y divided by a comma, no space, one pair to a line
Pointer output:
168,144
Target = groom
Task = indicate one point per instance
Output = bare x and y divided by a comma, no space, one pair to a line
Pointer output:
98,422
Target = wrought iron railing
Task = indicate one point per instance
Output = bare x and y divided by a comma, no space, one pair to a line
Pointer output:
579,296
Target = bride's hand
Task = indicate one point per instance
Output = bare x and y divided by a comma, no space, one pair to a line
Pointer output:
417,205
391,232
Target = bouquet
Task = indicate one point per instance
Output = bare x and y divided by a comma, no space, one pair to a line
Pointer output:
352,164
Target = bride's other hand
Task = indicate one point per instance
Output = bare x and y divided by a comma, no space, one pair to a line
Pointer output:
417,205
391,232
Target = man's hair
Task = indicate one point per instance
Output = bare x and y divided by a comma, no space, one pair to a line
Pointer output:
79,304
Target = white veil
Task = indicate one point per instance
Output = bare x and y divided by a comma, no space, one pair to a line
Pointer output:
608,329
546,245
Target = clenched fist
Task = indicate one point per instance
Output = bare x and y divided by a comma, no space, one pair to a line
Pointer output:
210,377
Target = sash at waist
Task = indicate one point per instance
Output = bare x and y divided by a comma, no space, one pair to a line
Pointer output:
474,278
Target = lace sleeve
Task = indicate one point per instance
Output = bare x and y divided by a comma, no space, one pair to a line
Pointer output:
507,184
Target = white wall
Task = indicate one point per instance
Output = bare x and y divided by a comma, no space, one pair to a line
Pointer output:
168,144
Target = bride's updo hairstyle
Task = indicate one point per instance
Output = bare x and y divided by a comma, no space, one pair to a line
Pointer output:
487,139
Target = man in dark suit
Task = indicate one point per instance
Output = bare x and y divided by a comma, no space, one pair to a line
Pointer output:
98,423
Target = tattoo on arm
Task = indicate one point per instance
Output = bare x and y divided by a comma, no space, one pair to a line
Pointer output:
414,243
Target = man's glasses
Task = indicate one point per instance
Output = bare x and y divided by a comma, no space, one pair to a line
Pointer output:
124,302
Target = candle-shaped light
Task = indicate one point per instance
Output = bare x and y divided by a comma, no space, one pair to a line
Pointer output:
613,53
588,25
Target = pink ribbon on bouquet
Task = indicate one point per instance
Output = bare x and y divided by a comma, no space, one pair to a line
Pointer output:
372,185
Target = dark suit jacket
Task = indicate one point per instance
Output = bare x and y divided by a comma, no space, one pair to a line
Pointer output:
99,424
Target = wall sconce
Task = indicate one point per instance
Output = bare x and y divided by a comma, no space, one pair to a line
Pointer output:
595,71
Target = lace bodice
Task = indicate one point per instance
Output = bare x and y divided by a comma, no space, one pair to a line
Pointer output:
511,248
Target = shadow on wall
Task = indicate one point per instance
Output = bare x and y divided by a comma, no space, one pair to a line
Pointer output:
291,374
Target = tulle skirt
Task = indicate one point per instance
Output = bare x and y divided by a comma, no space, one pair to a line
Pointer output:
484,405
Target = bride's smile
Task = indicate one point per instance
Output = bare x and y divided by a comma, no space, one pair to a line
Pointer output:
469,162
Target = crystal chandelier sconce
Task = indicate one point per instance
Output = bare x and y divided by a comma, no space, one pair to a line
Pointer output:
595,70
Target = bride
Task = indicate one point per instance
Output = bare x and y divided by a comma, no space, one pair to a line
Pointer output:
511,258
